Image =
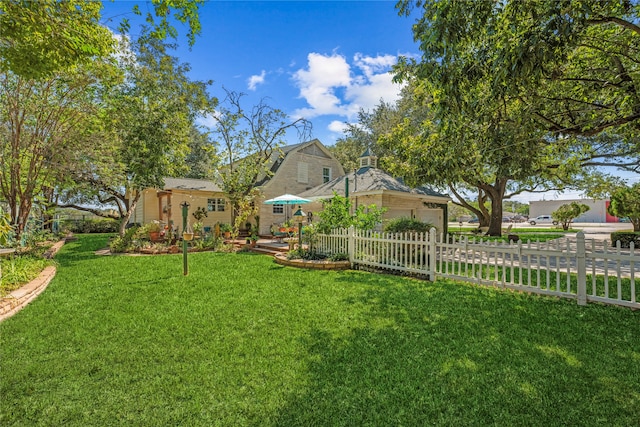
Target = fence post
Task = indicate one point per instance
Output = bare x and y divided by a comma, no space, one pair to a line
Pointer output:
432,254
351,244
581,265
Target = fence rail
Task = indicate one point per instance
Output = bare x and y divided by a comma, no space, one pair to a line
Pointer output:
588,271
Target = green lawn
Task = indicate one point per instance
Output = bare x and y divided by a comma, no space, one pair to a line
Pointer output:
242,341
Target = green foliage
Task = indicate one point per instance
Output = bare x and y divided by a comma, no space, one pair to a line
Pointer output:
16,271
102,225
625,238
565,214
336,213
407,225
305,254
516,95
625,202
44,37
6,230
121,244
339,257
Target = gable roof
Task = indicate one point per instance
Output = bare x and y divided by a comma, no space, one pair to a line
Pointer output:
367,179
280,154
191,184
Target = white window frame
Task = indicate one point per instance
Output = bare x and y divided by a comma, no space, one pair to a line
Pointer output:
326,177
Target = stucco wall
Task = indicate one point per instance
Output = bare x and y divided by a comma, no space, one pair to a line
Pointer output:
596,213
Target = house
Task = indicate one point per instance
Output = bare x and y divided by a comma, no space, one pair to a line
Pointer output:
163,204
298,168
372,186
294,169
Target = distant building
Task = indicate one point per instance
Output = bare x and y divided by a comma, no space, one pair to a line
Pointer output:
597,212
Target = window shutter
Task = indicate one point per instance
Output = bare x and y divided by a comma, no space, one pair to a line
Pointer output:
303,172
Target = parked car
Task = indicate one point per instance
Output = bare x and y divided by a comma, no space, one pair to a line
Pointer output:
543,219
518,218
474,221
506,219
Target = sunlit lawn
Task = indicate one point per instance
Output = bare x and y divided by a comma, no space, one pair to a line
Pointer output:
242,341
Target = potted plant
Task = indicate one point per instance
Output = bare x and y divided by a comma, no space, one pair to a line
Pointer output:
226,230
253,239
153,231
197,228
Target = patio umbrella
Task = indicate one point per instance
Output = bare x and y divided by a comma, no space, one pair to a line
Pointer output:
287,199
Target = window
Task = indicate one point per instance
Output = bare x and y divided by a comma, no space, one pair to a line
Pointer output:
303,172
214,205
326,174
278,209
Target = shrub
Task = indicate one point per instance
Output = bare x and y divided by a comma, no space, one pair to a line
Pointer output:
407,225
339,257
305,254
625,238
103,225
125,243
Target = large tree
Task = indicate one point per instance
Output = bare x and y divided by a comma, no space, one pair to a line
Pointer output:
43,125
147,124
39,38
249,142
519,94
574,64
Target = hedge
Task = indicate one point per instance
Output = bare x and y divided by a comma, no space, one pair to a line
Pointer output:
90,225
625,238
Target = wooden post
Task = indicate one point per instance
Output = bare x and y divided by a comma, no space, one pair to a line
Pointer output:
581,265
185,212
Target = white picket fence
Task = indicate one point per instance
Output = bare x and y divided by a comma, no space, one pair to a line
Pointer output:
588,271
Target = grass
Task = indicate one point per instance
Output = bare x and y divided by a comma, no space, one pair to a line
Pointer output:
242,341
15,271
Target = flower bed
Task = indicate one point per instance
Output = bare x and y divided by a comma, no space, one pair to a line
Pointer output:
312,264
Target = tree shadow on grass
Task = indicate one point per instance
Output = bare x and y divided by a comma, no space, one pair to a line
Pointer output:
447,353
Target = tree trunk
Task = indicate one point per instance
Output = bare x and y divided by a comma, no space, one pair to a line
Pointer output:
495,226
127,215
496,194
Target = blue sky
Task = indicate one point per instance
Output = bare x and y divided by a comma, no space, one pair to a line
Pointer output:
322,60
319,60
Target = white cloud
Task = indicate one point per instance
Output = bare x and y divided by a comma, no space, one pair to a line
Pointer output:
208,120
337,126
332,86
256,80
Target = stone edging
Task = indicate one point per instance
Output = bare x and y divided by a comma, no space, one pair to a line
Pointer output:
317,265
18,299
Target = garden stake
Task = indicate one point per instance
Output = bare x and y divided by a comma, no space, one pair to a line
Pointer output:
185,212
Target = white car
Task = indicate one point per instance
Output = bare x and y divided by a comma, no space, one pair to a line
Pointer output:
543,219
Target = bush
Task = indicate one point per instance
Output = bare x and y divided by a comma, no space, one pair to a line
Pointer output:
407,225
625,238
123,244
305,254
339,257
103,225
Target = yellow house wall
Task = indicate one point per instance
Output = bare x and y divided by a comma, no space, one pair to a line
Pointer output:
148,208
396,207
285,181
